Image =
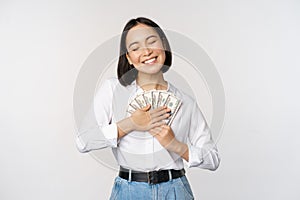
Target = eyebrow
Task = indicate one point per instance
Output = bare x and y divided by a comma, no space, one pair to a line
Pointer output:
147,38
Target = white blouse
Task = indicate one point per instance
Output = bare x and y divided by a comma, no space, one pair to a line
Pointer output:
139,150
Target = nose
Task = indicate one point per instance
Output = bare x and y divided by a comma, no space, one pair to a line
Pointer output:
147,51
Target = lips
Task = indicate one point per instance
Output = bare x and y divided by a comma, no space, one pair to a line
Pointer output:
150,60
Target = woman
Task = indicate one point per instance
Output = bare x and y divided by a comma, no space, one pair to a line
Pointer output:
150,152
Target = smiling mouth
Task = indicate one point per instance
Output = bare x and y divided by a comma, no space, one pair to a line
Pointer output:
150,61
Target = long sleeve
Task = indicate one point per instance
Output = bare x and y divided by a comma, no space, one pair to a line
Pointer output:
203,152
96,131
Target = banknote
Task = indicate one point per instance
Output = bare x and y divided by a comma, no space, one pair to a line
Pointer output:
173,103
140,100
156,98
148,97
170,120
162,98
134,104
130,109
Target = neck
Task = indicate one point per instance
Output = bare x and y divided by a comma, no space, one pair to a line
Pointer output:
151,81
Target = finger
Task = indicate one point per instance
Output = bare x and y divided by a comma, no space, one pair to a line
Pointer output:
162,117
156,124
159,113
146,108
155,131
152,132
164,126
157,109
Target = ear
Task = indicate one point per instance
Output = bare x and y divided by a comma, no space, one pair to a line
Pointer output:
128,58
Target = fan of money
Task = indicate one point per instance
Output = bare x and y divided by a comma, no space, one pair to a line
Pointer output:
156,99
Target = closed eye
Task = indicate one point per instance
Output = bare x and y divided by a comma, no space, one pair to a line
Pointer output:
152,42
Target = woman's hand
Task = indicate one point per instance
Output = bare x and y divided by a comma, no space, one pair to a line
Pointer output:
145,119
165,135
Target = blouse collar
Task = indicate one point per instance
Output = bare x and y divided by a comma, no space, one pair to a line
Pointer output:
170,87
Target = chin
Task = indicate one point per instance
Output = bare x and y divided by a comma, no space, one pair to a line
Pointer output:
150,69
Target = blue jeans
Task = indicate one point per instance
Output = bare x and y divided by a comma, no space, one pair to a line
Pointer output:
175,189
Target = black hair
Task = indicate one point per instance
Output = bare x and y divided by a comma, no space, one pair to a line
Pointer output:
126,72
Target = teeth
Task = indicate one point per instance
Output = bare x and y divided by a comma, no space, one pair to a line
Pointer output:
149,61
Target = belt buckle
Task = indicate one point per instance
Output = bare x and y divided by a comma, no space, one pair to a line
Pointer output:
152,177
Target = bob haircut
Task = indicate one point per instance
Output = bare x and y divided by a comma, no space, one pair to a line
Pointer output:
126,72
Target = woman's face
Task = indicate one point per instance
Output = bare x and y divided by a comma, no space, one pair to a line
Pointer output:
145,49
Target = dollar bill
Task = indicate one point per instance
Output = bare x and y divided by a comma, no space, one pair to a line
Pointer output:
134,104
140,100
173,115
148,97
173,103
154,98
162,98
130,109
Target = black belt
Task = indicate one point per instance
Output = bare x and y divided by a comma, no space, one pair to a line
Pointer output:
152,177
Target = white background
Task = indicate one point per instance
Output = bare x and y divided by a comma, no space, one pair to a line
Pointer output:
254,45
